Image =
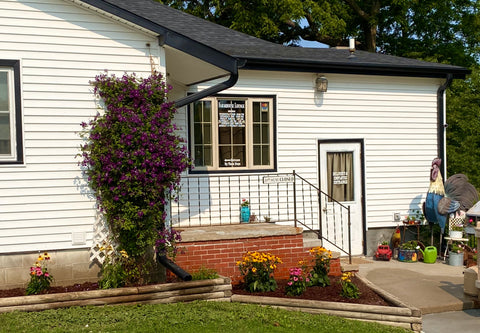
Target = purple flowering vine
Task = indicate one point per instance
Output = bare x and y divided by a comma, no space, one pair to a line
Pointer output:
132,157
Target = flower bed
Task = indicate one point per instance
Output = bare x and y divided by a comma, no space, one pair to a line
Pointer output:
394,312
216,289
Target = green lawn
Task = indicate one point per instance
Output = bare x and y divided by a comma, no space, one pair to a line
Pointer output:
199,316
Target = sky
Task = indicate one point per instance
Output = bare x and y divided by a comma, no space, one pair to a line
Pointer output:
307,43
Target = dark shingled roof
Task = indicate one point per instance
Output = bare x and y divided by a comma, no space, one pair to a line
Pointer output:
191,32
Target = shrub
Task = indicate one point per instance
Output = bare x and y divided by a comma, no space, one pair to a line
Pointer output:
118,269
349,289
297,282
205,273
321,266
257,270
40,278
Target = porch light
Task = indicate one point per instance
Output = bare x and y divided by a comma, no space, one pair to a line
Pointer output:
321,84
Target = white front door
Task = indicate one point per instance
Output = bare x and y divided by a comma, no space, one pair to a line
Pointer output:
340,169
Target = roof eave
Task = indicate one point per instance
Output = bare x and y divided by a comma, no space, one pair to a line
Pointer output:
354,68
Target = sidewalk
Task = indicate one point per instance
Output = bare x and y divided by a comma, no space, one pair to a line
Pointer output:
436,289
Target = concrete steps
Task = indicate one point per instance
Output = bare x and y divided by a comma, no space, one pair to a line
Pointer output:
310,240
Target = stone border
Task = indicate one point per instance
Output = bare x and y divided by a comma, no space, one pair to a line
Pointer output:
216,289
400,314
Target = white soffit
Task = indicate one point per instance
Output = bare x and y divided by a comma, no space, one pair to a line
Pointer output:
187,70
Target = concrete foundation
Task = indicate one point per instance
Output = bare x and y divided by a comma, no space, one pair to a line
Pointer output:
66,266
376,236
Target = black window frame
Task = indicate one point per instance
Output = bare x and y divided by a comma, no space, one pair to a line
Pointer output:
19,158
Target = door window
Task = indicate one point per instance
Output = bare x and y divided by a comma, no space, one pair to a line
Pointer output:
340,176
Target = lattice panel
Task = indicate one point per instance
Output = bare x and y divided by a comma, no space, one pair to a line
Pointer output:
100,237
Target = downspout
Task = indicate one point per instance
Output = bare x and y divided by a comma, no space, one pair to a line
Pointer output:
441,111
209,91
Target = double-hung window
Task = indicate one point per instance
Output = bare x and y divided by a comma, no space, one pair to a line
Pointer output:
232,133
10,113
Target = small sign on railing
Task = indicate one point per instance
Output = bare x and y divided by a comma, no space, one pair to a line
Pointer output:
278,179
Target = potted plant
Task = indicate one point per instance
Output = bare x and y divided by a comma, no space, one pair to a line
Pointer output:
383,251
408,251
245,211
416,217
456,253
456,231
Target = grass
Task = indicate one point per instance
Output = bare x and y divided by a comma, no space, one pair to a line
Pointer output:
198,316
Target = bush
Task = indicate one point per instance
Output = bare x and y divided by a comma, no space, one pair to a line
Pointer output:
297,282
257,270
205,273
321,266
118,269
40,278
349,289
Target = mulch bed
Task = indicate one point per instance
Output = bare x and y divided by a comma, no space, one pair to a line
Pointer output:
53,290
330,293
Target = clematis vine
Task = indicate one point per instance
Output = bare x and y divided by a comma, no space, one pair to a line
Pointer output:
132,157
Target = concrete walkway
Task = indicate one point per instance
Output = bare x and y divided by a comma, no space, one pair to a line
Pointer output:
436,289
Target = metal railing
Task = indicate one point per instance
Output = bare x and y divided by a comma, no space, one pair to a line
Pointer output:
334,225
283,198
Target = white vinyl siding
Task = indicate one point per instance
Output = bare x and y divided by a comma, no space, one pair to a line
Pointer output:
61,47
396,117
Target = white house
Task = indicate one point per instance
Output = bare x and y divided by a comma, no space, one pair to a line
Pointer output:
252,112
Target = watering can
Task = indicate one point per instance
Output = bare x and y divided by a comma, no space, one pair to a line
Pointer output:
429,254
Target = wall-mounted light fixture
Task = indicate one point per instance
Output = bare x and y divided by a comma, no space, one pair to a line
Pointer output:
321,84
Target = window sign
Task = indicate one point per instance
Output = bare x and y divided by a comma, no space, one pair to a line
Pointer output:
231,133
231,114
340,178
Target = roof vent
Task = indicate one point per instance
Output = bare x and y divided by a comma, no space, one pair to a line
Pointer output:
351,47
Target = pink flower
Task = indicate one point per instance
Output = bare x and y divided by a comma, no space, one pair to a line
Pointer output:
295,279
46,274
289,283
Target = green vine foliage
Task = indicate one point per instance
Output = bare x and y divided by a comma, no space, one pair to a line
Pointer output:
133,158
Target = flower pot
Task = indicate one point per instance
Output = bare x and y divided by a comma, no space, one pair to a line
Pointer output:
245,214
455,234
455,259
407,255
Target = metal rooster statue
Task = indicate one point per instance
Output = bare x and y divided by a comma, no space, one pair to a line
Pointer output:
455,196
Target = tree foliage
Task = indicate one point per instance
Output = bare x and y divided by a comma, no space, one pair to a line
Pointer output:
439,30
463,148
434,30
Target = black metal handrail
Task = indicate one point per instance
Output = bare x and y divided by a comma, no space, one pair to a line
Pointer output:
327,229
283,198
